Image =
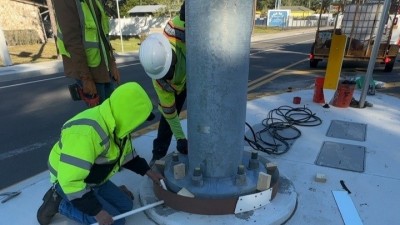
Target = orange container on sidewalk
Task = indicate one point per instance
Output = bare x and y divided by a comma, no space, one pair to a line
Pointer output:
343,95
319,90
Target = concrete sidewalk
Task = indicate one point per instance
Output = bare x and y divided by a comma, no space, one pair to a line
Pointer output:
22,71
374,191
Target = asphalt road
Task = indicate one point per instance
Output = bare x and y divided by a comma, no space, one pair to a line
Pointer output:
33,110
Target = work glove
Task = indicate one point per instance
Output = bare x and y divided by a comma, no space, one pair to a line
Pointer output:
89,95
115,72
89,87
182,146
91,101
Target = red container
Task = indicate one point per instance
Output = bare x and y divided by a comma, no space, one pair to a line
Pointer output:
343,95
319,90
296,100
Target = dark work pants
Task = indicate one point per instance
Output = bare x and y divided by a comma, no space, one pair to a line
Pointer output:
164,133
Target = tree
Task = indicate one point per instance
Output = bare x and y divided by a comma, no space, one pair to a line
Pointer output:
172,6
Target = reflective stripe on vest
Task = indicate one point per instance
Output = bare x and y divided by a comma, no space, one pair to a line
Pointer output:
175,29
168,110
96,126
165,85
79,162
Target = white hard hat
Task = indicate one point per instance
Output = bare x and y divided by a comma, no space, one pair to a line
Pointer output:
155,55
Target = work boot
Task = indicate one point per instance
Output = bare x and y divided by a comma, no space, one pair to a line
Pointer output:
49,208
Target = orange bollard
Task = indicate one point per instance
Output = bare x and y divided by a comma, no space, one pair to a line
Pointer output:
319,90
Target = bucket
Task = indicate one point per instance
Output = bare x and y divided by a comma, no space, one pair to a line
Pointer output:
343,95
319,90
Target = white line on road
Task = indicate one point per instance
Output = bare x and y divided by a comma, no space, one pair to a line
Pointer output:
279,46
132,64
31,82
22,150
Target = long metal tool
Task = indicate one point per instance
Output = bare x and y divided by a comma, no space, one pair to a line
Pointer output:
123,215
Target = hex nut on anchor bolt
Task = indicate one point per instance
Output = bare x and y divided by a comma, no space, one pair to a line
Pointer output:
175,158
253,161
197,177
241,176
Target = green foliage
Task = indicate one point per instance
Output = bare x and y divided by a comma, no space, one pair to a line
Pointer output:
129,44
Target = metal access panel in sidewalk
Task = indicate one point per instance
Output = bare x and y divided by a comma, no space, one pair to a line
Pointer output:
342,156
347,130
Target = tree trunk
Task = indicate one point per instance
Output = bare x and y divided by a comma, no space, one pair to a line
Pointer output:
53,21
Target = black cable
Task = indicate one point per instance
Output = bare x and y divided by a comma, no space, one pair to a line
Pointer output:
274,126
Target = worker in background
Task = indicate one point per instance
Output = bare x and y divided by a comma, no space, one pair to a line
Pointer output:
83,42
93,146
163,57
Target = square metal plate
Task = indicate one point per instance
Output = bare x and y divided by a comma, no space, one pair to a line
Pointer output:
342,156
347,130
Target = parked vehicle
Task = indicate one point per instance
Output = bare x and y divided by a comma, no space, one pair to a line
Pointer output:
359,22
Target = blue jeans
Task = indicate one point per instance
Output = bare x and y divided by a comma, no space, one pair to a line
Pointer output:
113,200
104,90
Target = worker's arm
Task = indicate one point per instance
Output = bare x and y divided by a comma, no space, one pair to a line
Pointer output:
167,108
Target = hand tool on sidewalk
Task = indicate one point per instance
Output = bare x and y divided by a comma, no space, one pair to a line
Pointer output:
123,215
9,195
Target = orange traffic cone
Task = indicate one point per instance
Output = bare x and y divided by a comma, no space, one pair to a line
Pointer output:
319,90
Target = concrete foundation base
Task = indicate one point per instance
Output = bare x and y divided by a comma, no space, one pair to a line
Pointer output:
277,212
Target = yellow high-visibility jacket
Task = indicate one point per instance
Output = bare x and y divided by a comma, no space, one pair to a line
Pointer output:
95,143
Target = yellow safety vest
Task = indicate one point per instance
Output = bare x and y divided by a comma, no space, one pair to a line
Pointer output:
91,32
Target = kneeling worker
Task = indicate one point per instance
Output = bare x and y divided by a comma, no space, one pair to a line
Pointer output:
93,146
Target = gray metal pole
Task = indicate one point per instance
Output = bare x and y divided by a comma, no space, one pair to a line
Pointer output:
218,36
374,53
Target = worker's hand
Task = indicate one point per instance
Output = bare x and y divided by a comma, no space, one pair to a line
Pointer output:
103,218
182,146
115,72
124,189
88,86
156,177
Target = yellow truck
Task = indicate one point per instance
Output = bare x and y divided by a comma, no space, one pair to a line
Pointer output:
359,21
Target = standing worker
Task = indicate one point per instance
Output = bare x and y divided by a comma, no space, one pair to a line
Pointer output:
163,57
93,146
83,42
